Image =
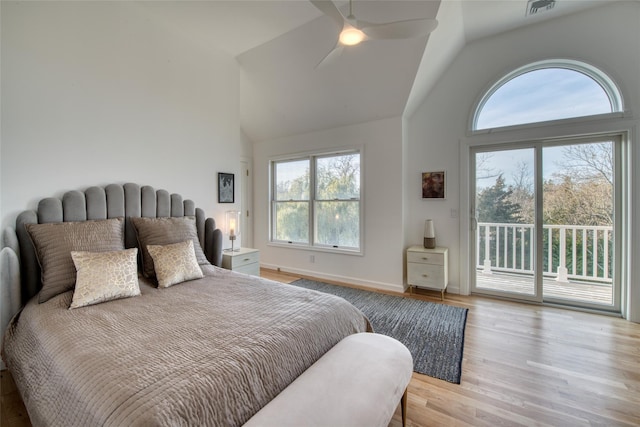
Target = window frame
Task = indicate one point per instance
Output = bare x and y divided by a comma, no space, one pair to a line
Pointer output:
607,84
312,201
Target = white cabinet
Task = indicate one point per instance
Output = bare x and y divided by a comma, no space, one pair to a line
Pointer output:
245,260
428,268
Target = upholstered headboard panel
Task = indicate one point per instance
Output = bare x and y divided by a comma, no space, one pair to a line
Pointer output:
112,201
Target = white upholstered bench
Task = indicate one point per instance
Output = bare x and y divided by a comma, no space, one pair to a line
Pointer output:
358,383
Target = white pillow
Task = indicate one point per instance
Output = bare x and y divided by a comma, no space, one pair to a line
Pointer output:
104,276
175,263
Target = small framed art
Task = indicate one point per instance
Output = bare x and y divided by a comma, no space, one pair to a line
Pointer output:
226,189
433,185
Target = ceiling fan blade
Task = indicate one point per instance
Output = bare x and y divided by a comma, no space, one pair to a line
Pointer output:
328,8
331,57
399,29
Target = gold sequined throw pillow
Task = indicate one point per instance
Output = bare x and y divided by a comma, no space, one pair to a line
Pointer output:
175,263
104,276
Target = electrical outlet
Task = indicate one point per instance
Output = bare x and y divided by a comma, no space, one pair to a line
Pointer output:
454,213
312,258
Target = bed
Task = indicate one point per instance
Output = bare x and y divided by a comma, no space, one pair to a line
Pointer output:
186,346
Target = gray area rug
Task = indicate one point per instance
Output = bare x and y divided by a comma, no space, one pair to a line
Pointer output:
433,333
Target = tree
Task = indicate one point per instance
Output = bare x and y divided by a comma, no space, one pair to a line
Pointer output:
571,202
522,194
588,162
337,209
334,201
495,205
582,194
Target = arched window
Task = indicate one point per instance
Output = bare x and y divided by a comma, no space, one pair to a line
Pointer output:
544,91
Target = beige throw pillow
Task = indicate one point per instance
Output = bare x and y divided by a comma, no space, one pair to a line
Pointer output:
175,263
165,231
54,242
105,276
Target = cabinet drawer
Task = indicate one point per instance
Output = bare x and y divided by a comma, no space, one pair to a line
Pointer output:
244,259
253,269
232,261
426,275
425,258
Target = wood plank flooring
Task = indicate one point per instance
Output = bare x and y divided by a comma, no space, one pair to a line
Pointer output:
593,293
524,365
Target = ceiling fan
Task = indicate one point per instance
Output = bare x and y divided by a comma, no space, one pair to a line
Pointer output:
355,31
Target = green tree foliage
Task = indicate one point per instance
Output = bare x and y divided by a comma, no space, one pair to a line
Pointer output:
338,177
338,193
582,194
578,202
335,204
522,194
494,204
292,201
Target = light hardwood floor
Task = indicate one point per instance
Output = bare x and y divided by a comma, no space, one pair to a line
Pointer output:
524,365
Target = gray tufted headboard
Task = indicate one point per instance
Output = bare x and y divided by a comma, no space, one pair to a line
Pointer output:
114,200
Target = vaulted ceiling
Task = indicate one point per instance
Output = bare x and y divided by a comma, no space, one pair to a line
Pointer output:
279,43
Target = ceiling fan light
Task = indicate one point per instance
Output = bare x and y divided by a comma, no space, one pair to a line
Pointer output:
351,36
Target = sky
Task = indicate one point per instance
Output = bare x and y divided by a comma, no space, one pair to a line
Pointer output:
536,96
541,95
510,162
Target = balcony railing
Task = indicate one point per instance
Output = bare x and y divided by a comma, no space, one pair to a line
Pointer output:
570,252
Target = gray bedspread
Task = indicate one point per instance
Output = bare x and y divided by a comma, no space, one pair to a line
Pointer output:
209,352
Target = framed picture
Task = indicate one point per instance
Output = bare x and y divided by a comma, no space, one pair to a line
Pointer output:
433,185
225,187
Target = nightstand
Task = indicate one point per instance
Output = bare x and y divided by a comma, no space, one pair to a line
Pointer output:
428,268
245,260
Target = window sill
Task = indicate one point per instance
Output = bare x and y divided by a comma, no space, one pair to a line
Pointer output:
338,251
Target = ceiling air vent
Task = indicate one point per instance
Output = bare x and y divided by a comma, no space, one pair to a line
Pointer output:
537,6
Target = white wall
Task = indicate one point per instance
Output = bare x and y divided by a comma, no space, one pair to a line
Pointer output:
100,92
606,37
381,266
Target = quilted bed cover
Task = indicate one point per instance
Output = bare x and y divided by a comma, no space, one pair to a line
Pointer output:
210,351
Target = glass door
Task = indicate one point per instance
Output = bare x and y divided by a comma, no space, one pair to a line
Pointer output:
545,222
505,230
579,231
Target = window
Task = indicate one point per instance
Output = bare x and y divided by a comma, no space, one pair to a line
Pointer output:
547,90
315,201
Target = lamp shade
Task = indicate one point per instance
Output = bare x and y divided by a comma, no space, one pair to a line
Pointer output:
232,223
429,234
232,227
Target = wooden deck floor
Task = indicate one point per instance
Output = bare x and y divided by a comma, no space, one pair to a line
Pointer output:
601,294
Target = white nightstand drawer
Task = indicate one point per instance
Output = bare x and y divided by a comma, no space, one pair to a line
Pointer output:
253,269
425,258
428,268
245,260
427,275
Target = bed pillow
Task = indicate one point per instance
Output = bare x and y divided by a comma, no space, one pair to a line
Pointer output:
165,231
104,276
175,263
54,242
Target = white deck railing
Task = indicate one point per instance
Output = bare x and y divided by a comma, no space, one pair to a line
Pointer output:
571,252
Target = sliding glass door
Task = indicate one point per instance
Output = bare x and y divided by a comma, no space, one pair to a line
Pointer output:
545,221
505,222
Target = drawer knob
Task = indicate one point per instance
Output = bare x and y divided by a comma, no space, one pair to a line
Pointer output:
425,258
425,275
246,259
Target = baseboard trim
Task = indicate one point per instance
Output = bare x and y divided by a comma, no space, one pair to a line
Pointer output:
391,287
